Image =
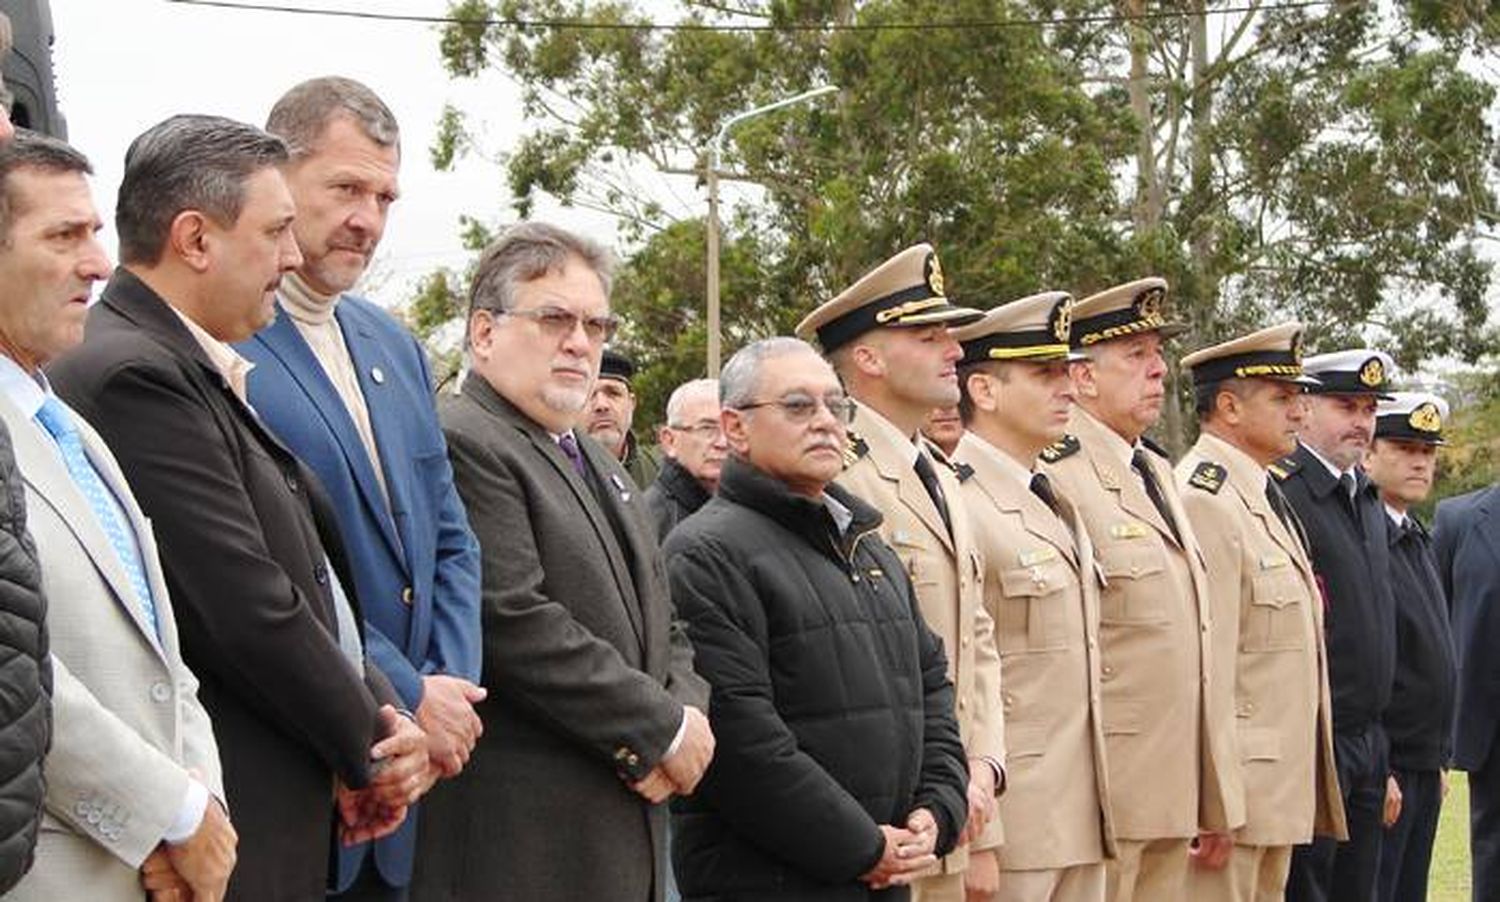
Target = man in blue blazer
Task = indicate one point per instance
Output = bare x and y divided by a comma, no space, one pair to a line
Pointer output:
347,389
1466,542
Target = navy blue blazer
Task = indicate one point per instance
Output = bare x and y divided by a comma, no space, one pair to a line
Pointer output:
1466,540
416,563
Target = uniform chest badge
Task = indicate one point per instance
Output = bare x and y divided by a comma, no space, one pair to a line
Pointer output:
1130,529
1039,556
1273,561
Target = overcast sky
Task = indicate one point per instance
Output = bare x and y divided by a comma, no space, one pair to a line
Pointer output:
123,65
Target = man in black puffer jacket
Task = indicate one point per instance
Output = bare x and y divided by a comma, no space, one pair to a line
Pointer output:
839,774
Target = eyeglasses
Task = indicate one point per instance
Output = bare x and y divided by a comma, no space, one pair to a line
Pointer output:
800,408
707,431
557,323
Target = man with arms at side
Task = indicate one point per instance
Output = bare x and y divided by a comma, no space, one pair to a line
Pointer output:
693,449
839,774
1168,736
1042,589
347,389
594,715
1402,462
248,543
1347,540
1268,614
887,338
133,771
610,413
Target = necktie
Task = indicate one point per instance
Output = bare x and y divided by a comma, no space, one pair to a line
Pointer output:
1041,487
55,419
934,489
1347,486
1286,513
1139,463
569,446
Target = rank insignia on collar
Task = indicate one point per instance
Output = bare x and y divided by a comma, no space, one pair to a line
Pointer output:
1064,447
1208,476
962,471
1284,468
855,447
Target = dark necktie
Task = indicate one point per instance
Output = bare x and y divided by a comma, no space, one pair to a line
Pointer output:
1041,487
569,446
934,489
1286,513
1139,463
1347,486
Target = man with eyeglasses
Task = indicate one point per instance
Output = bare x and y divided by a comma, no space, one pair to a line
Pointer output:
693,450
887,338
594,716
839,775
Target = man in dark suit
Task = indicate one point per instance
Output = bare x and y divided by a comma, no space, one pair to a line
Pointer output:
1466,543
693,451
1346,535
347,389
249,547
1402,462
594,715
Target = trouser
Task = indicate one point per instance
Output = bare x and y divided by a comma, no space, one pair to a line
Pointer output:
1152,870
1326,870
1080,883
1484,828
1406,849
1253,874
939,888
369,886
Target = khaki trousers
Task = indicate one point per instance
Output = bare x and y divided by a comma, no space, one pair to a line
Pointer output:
1254,874
1147,871
1081,883
939,888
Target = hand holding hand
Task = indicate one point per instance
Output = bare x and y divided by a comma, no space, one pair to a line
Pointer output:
363,817
656,787
685,766
902,860
161,881
982,876
981,800
1392,810
446,714
1212,850
206,859
400,771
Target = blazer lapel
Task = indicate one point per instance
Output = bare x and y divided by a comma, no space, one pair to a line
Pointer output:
892,464
369,358
43,470
284,341
1009,495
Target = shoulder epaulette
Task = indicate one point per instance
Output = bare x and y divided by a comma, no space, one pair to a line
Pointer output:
1150,444
855,447
963,471
1209,477
1284,468
1066,446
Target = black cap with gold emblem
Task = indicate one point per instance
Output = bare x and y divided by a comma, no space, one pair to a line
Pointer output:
1128,309
906,290
1271,353
1033,328
1360,371
1413,416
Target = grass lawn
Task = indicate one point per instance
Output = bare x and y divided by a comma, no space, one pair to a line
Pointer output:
1449,881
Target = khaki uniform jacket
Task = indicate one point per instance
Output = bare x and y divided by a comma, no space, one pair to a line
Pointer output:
1154,629
948,575
1268,647
1042,590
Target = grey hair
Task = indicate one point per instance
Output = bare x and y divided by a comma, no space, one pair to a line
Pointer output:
686,390
187,163
527,251
32,150
740,378
301,115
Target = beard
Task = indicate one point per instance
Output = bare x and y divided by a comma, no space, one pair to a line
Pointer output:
565,399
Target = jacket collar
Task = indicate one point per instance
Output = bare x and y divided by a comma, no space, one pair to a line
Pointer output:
745,484
681,485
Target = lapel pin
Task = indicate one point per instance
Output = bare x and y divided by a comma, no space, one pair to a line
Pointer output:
620,487
378,375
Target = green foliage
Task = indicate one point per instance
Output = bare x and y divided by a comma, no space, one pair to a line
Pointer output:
1335,164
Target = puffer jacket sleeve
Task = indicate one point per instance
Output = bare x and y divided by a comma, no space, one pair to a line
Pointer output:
25,679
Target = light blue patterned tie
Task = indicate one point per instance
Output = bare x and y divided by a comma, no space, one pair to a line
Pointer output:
55,419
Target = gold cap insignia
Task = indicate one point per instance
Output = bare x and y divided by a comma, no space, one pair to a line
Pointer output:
1148,305
935,275
1062,319
1372,373
1426,418
1296,348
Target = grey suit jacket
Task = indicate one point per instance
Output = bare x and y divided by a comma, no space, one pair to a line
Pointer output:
586,669
127,722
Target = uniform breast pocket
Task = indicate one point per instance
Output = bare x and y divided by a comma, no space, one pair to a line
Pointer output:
922,564
1031,615
1136,593
1276,618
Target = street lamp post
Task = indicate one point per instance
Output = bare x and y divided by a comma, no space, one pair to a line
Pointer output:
715,149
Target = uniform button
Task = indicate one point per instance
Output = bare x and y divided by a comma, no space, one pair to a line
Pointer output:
292,484
94,815
406,596
1092,643
320,574
964,641
81,809
633,759
963,704
160,692
1135,571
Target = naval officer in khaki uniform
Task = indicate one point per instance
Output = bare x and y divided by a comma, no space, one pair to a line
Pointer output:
1270,663
1168,745
887,336
1042,590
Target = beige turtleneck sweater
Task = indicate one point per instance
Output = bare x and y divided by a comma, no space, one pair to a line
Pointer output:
312,314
